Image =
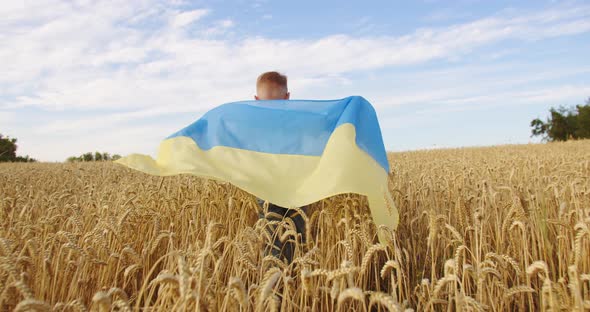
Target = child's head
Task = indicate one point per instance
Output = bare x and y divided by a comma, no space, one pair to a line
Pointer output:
272,86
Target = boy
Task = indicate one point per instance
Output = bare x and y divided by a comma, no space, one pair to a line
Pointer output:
273,86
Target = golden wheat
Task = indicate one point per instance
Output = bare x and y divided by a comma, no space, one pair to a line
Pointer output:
500,228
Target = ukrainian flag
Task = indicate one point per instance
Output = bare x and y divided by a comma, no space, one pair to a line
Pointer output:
288,152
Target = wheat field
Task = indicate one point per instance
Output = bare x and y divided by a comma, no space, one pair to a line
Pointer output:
481,229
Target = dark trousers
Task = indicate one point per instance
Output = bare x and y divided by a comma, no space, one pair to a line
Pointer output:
279,249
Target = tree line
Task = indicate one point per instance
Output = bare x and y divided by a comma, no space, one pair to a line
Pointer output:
564,123
96,156
8,149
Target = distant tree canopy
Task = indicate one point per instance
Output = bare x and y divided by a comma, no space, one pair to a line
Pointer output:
96,156
8,151
564,123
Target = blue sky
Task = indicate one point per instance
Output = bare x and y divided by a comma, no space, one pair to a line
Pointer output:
119,76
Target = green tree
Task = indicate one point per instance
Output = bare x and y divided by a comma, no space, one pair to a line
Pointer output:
564,124
25,158
561,127
583,130
539,128
87,157
7,148
97,156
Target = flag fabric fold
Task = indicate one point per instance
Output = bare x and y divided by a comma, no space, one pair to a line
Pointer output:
288,152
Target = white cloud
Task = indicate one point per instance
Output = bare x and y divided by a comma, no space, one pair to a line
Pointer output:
560,95
482,86
86,56
90,124
185,18
219,28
